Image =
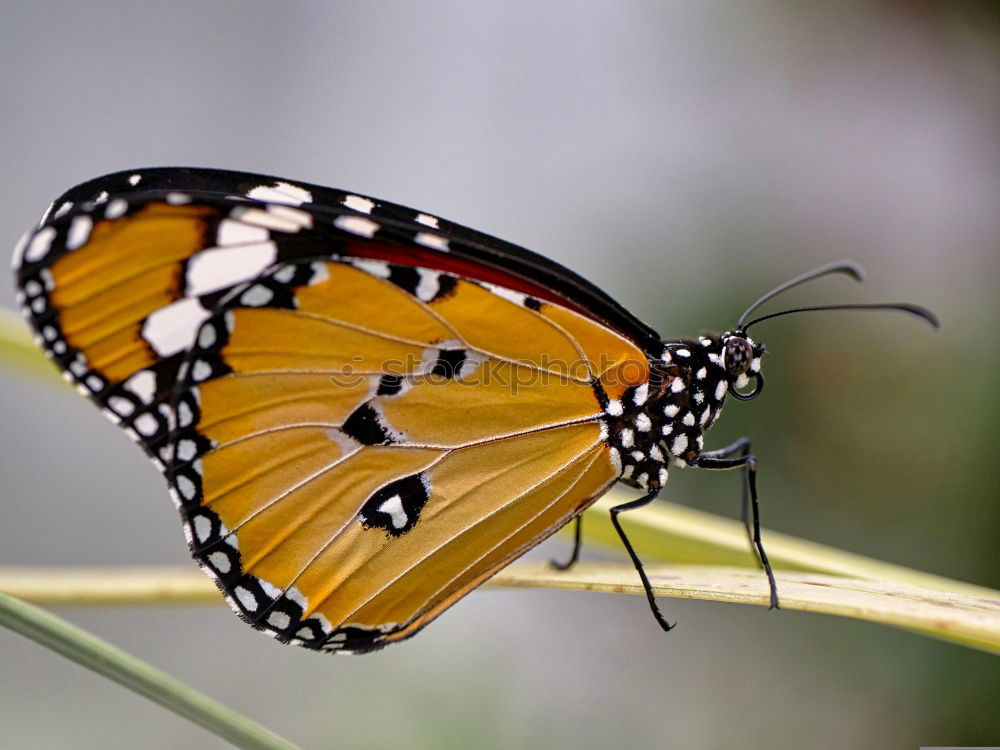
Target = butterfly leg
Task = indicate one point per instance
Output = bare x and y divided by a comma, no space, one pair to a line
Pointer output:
576,548
748,463
742,447
644,500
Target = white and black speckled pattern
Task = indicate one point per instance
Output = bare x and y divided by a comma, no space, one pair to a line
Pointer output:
663,422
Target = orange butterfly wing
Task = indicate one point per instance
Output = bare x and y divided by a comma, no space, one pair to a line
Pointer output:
354,443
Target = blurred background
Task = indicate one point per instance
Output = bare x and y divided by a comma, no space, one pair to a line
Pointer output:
685,156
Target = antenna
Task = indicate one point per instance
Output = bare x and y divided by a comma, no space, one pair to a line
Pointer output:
846,267
920,312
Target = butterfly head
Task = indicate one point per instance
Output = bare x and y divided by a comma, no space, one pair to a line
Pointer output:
740,364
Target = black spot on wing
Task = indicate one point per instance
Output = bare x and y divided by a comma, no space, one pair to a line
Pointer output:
449,363
533,303
446,287
389,385
405,277
396,507
366,426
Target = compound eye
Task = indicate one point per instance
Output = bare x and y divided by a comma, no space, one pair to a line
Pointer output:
739,355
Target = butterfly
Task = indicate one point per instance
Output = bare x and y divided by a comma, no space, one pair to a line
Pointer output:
364,411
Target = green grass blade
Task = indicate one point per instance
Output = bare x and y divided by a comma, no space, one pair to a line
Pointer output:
941,611
972,621
111,662
675,533
19,353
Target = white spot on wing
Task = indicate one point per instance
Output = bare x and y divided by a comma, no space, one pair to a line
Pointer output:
358,225
293,216
186,450
133,180
320,273
201,371
271,218
39,245
278,620
145,424
360,204
394,508
256,296
185,487
281,192
202,527
427,221
172,329
142,385
246,598
116,208
378,268
219,561
221,267
79,231
508,294
433,241
184,414
206,337
429,284
239,233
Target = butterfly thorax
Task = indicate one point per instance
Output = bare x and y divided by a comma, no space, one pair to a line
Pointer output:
662,422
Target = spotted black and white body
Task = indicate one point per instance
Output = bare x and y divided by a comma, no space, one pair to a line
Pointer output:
656,425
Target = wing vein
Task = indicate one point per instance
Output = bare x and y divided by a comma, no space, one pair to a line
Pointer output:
565,467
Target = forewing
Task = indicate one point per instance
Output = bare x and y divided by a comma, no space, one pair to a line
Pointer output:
485,257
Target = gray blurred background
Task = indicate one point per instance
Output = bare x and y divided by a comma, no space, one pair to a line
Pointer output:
685,156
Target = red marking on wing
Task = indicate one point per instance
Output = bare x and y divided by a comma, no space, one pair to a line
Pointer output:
468,268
